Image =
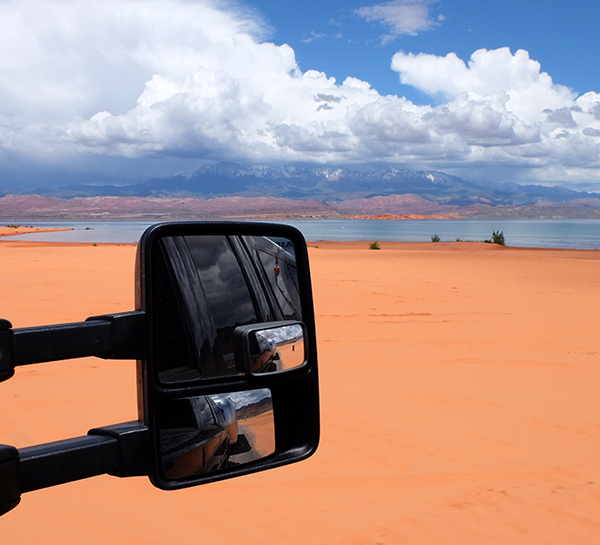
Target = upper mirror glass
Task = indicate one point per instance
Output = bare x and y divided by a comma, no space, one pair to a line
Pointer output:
203,434
205,287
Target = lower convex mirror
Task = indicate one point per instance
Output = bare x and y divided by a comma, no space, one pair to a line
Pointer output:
269,348
203,434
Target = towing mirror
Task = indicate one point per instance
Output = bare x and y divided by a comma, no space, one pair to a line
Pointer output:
224,338
231,325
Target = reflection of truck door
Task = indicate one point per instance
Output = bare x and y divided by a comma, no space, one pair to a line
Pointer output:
214,275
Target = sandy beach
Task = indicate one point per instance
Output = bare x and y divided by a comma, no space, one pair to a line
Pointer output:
459,391
12,230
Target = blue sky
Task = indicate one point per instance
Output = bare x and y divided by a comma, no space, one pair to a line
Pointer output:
330,36
117,91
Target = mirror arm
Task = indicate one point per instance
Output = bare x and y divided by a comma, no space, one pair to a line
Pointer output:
50,464
113,336
121,450
61,342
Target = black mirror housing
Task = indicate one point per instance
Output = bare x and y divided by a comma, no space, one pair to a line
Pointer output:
200,284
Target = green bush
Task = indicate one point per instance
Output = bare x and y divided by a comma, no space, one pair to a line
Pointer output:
498,237
435,238
374,246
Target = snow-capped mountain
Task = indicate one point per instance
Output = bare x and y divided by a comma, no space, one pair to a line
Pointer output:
326,184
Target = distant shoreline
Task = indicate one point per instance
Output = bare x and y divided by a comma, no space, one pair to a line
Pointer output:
20,208
57,217
14,230
406,217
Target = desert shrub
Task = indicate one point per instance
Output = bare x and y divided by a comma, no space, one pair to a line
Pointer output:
435,238
498,237
374,246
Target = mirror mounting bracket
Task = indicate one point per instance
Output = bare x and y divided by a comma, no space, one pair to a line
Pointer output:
134,447
128,335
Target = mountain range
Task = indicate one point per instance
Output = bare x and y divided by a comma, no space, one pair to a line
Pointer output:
254,190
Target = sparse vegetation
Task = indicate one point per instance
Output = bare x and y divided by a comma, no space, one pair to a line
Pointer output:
458,239
13,226
374,246
498,237
435,238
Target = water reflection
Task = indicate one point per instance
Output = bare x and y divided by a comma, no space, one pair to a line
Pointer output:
203,434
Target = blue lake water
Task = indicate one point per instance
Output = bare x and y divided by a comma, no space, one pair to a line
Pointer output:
582,234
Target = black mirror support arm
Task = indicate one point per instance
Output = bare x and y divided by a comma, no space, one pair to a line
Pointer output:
113,336
122,450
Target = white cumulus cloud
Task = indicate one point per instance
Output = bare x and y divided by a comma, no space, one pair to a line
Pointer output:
181,79
65,57
529,90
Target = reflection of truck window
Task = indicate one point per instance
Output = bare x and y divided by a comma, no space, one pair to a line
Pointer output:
214,284
174,359
228,297
283,278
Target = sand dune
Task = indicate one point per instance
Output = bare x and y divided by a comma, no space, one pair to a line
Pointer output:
459,388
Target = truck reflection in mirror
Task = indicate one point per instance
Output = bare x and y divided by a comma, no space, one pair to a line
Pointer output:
206,287
269,348
204,434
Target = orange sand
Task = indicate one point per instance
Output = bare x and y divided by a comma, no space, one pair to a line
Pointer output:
6,231
460,404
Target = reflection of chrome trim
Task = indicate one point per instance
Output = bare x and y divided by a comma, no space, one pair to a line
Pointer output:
258,347
280,335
